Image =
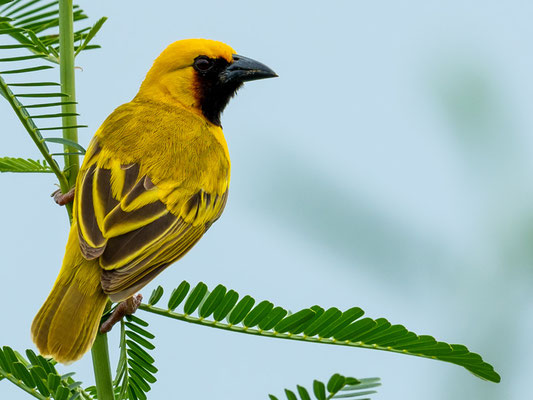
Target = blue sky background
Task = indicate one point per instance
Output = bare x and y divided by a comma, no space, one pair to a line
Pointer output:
388,167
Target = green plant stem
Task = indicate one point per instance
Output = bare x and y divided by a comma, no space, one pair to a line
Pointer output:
66,68
102,368
100,352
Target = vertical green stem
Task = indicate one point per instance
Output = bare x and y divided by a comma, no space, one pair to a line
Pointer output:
66,66
100,352
102,368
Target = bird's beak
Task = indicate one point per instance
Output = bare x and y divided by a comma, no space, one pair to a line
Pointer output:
244,69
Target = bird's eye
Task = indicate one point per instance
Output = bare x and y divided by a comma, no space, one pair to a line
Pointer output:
203,64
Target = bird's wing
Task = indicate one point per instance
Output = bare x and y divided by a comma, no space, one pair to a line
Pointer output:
123,221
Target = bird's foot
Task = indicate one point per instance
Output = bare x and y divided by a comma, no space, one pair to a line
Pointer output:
127,307
63,198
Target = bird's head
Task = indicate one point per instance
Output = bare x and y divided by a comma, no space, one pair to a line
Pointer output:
201,75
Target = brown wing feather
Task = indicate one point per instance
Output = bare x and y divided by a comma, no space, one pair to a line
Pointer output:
124,223
123,282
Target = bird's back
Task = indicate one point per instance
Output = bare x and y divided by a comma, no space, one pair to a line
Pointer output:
176,148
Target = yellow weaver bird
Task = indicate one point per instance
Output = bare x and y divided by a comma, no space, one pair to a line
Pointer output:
155,177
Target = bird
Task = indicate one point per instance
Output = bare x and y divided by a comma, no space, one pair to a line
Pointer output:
154,178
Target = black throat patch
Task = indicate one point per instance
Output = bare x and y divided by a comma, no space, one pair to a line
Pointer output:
213,93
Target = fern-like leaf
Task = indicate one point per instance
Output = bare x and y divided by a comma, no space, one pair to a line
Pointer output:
32,129
315,325
38,376
10,164
337,387
135,370
25,20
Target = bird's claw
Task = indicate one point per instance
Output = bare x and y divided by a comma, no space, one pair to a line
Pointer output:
63,198
127,307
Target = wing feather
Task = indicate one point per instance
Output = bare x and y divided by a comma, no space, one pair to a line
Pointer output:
123,220
123,282
123,249
88,224
104,200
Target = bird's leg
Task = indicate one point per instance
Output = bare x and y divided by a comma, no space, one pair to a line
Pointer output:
63,198
127,307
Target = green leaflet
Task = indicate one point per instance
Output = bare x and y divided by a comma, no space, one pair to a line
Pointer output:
226,305
136,328
178,295
258,313
212,301
90,35
155,296
272,319
240,311
314,325
292,322
195,298
64,141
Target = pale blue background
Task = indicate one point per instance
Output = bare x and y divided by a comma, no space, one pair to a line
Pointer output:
388,167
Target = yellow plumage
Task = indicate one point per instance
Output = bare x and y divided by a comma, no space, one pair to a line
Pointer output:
67,323
154,179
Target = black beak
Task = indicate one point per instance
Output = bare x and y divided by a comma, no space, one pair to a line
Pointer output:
244,69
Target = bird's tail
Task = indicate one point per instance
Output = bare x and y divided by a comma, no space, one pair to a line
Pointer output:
66,325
